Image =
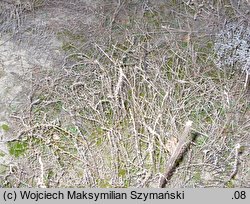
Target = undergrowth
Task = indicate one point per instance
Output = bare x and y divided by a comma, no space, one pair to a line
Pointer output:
112,114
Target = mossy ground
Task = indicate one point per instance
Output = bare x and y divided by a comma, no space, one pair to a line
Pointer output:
128,85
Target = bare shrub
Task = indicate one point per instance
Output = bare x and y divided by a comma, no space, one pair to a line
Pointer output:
111,114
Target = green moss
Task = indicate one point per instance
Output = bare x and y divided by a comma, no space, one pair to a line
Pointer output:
203,114
67,46
50,174
230,184
2,154
201,140
52,110
197,176
71,41
70,36
102,183
17,148
5,127
80,173
167,68
152,18
97,136
184,44
72,129
123,46
242,149
3,169
126,184
213,74
98,142
37,3
230,11
58,106
122,172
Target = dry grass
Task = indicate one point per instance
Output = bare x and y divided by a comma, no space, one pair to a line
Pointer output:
111,115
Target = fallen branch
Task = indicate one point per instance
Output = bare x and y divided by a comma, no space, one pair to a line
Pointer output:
178,154
235,165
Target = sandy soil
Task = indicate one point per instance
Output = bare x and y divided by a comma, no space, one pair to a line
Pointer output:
32,47
28,44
